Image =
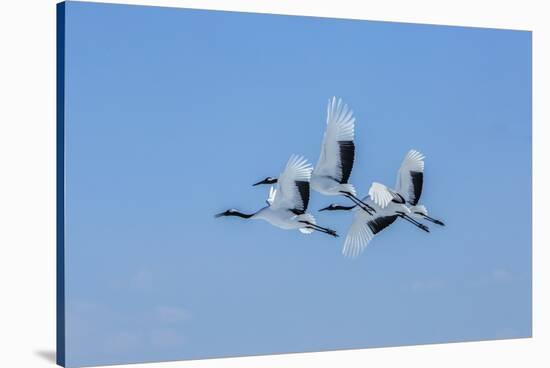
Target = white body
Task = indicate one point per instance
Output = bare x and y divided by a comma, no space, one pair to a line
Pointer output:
287,197
284,219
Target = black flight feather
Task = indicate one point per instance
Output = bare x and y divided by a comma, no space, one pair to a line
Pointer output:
347,156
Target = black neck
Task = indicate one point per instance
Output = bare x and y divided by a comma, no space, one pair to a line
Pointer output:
239,214
343,208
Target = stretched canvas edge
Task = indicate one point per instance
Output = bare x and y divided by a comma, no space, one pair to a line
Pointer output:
60,184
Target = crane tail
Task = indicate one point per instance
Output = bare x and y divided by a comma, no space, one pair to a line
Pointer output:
309,218
348,188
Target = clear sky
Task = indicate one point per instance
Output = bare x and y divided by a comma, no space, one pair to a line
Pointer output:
172,114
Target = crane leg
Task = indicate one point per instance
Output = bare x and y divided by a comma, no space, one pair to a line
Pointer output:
435,221
365,207
320,228
414,222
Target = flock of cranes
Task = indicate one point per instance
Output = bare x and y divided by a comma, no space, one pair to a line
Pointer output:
287,203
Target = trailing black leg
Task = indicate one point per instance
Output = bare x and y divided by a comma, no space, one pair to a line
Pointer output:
358,201
320,228
329,232
414,222
435,221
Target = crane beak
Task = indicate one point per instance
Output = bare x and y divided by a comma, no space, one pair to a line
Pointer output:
260,182
268,180
324,209
219,214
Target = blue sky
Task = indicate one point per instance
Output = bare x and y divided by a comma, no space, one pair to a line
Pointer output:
172,114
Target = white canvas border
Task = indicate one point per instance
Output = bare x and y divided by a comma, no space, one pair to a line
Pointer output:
27,183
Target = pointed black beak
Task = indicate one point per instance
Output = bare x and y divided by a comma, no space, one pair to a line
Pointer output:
219,214
325,209
268,180
439,222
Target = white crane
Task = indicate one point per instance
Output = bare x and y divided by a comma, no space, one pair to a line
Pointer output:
366,225
333,169
389,204
408,187
287,205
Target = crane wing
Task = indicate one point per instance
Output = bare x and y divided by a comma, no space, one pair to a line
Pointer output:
363,228
338,149
410,177
292,191
359,234
382,195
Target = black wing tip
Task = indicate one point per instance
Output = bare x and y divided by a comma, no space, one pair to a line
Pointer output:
347,158
417,178
303,189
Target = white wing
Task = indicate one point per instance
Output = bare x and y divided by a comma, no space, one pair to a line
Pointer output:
363,228
380,194
293,185
338,150
359,234
271,196
410,177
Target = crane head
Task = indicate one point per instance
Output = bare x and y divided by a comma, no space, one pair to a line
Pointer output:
268,180
336,207
230,212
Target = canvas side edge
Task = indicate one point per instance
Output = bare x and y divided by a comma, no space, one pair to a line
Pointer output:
60,184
